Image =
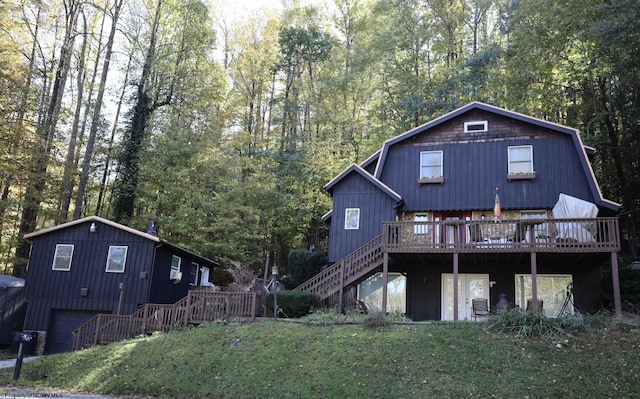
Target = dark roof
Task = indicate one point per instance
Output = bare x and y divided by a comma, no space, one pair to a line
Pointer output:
357,169
118,226
7,281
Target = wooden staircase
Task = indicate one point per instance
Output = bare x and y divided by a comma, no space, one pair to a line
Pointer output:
196,308
348,270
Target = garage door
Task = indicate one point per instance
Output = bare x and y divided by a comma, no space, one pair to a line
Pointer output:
62,324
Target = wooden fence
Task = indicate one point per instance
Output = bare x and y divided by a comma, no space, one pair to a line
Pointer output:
196,308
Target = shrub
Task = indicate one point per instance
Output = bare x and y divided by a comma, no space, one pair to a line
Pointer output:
303,265
531,324
293,304
376,320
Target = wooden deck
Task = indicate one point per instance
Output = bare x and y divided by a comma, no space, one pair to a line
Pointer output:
530,235
598,235
196,308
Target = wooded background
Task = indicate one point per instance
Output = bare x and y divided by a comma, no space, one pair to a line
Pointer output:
225,128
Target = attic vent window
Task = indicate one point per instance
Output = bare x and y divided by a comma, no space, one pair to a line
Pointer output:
478,126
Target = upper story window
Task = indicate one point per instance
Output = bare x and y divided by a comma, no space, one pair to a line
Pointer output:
521,162
116,259
62,257
431,169
352,219
477,126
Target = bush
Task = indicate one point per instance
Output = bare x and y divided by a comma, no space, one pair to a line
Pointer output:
293,304
531,324
303,265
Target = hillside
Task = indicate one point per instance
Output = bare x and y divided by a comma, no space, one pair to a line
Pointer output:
292,360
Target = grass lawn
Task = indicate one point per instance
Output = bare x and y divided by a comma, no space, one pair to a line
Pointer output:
269,359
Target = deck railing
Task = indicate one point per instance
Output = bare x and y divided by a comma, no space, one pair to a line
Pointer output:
525,235
196,308
346,270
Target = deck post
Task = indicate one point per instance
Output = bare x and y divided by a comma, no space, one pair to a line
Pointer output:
455,286
187,310
534,278
385,280
96,336
616,284
341,293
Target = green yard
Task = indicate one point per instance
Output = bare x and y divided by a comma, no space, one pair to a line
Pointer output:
600,359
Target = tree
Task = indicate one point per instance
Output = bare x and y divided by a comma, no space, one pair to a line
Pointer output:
37,179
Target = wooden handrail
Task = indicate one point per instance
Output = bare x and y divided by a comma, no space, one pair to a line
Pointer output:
526,235
196,308
346,271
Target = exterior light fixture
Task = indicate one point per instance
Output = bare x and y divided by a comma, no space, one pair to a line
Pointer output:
93,227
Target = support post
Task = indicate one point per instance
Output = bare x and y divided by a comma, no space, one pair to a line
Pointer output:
534,278
341,293
616,284
455,286
385,280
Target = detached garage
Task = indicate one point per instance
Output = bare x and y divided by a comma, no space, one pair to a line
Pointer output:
93,266
62,324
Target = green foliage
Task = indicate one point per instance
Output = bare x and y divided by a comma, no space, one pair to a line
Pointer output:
303,264
437,360
293,304
222,277
629,289
531,324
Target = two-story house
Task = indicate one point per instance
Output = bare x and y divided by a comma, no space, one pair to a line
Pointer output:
93,265
477,203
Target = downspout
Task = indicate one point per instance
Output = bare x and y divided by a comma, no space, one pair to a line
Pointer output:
152,273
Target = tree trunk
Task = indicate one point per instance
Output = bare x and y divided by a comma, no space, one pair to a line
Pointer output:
68,177
88,154
36,184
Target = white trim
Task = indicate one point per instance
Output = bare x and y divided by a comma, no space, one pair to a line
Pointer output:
174,273
440,173
529,161
55,257
484,124
352,218
109,258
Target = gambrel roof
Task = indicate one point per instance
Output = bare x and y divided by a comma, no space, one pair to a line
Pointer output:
580,148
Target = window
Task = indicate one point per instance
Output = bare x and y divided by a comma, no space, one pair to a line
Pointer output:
352,219
555,291
116,259
370,292
204,277
479,126
431,167
419,227
194,273
175,268
62,257
521,162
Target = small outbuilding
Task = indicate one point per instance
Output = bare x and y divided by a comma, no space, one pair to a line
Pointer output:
93,265
13,306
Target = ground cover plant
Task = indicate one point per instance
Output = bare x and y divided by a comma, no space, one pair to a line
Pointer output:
267,359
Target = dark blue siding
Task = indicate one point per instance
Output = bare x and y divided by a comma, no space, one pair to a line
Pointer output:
62,289
472,171
164,290
375,206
